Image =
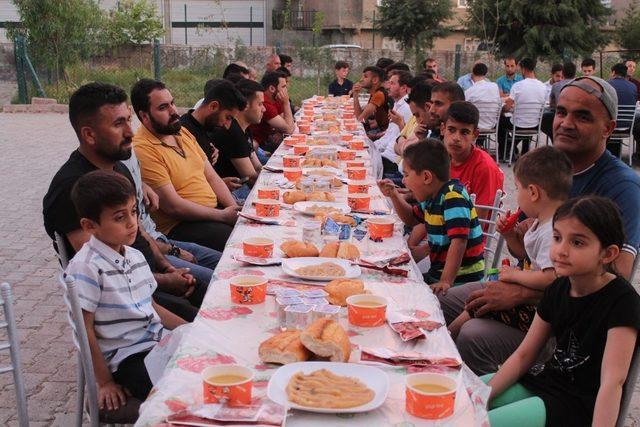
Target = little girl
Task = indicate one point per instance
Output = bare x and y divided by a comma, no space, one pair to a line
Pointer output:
594,316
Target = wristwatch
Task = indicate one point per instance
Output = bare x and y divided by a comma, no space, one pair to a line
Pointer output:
174,251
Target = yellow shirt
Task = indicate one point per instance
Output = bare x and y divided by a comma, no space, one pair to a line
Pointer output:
161,164
409,128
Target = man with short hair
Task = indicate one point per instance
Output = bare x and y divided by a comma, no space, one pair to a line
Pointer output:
585,117
556,76
383,62
588,67
377,106
431,64
529,91
569,73
237,157
627,96
278,117
101,119
175,166
286,61
341,85
510,77
482,91
631,71
397,86
273,63
442,95
234,68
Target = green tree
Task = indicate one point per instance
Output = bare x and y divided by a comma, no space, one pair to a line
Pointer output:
59,33
548,29
133,22
414,23
628,29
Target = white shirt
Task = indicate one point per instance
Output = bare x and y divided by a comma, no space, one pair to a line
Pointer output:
401,107
528,91
118,290
537,244
482,92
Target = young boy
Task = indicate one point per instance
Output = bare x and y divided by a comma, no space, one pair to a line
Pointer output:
454,234
115,286
341,85
543,179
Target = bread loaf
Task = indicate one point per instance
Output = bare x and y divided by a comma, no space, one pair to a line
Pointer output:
320,196
296,248
291,197
326,338
283,348
342,250
340,289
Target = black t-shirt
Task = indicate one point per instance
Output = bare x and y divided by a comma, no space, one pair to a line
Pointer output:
232,143
568,383
59,212
199,132
337,89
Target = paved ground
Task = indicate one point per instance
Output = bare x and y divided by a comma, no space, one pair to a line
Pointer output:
33,147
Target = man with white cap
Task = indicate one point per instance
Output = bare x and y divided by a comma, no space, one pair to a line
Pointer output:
585,117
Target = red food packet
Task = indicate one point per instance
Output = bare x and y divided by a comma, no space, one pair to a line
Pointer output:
412,330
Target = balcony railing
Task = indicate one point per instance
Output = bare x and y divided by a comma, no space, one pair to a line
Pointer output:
294,19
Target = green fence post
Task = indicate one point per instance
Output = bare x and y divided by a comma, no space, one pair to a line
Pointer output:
156,60
18,51
456,64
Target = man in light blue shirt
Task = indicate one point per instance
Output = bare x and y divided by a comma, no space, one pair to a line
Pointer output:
507,81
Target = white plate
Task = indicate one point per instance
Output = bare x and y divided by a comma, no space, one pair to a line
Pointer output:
309,171
289,266
374,378
302,207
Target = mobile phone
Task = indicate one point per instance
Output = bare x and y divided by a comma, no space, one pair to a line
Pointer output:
244,180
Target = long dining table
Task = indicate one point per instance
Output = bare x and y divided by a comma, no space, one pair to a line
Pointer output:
226,333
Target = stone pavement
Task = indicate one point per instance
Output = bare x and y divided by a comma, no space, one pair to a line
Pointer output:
33,148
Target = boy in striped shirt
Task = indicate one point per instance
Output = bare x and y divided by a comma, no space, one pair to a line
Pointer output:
115,287
456,247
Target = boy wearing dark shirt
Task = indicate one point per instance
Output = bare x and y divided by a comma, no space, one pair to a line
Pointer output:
341,85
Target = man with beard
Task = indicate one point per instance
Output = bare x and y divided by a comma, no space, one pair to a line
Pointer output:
377,106
101,119
237,158
174,166
510,77
442,95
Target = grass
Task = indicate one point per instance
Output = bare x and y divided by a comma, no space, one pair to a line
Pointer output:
185,85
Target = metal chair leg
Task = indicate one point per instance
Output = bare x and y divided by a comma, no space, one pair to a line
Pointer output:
80,395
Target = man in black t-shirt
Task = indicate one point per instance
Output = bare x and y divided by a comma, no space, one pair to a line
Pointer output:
341,85
102,120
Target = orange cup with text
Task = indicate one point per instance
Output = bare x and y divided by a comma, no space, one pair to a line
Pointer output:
300,149
346,137
355,164
367,310
348,115
292,174
300,137
430,396
304,128
258,247
228,384
357,174
350,126
359,201
380,227
356,144
272,193
290,142
346,154
267,207
248,289
289,161
361,187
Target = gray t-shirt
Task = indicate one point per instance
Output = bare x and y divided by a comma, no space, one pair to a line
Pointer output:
537,244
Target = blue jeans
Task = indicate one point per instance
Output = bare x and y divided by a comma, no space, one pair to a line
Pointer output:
262,156
241,194
206,257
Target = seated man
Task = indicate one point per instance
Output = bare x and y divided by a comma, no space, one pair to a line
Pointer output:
174,165
237,156
123,323
482,91
398,87
278,117
378,104
101,119
341,85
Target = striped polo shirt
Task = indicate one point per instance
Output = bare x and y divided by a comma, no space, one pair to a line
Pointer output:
118,290
450,215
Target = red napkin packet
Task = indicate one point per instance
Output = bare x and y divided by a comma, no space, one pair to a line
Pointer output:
409,358
411,324
265,413
394,266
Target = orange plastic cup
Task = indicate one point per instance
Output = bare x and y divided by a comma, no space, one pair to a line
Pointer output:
292,174
219,387
355,164
267,207
357,144
358,187
431,405
301,137
357,174
350,126
346,154
300,149
380,228
319,98
290,142
348,115
289,161
272,193
258,247
248,289
346,137
367,310
359,201
304,128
